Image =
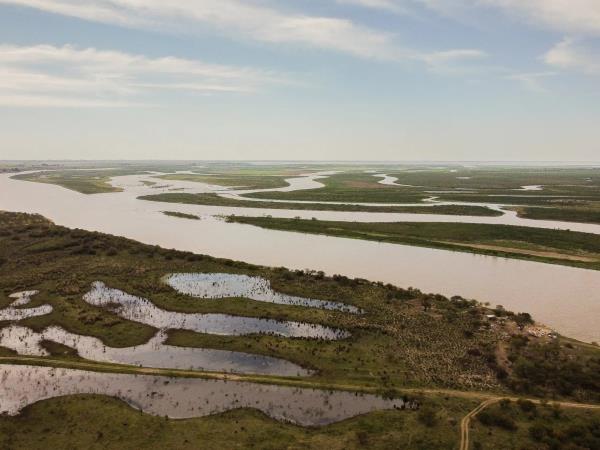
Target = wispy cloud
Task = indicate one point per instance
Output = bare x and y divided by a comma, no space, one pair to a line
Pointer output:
387,5
572,16
569,16
46,75
572,54
245,19
531,81
449,56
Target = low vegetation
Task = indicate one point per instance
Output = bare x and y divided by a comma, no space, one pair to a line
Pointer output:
523,424
552,368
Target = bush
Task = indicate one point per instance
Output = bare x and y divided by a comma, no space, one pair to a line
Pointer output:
526,405
496,418
428,416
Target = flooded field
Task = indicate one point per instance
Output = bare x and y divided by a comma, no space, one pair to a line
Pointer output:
14,311
142,310
184,398
223,285
154,353
565,298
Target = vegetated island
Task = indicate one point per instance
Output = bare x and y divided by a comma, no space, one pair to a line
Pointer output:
538,244
181,215
217,200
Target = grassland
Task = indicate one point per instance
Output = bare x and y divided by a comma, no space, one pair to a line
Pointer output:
217,200
545,245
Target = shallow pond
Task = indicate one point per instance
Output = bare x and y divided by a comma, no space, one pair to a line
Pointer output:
223,285
154,353
185,397
14,313
142,310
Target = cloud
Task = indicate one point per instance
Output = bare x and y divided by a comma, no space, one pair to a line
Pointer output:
45,75
531,81
244,18
572,54
241,19
568,16
572,16
448,56
387,5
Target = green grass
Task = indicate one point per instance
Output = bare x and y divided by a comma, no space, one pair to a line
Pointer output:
546,245
217,200
181,215
95,422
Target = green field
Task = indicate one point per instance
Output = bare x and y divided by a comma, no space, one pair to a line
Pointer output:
539,244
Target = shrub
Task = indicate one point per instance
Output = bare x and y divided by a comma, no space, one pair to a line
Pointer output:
497,418
428,416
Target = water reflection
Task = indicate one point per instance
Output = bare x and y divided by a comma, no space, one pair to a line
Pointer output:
13,313
184,397
154,353
142,310
223,285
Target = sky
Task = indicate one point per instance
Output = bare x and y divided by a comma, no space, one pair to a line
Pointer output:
394,80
